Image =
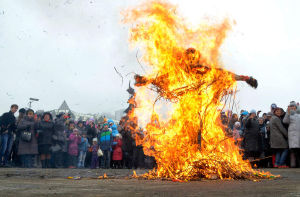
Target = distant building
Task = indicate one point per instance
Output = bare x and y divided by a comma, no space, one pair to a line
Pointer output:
119,114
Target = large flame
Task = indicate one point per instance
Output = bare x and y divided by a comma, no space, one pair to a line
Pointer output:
196,94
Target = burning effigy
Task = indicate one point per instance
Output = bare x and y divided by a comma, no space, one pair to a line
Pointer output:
184,69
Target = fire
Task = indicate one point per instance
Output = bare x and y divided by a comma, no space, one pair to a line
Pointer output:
194,82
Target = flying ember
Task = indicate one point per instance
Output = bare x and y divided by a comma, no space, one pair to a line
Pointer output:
184,68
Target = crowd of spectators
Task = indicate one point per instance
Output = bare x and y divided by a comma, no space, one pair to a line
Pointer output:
268,140
34,140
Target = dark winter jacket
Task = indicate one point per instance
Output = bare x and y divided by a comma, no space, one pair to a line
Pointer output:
27,147
45,132
91,133
127,141
252,136
8,122
278,134
59,137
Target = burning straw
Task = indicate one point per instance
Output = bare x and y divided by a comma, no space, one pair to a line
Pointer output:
191,144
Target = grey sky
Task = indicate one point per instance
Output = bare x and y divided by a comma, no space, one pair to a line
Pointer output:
66,50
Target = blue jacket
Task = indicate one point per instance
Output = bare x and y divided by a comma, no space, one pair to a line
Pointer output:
84,145
114,130
105,140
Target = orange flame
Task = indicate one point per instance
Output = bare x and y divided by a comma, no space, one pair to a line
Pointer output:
195,91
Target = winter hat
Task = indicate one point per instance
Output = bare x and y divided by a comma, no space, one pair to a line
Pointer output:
253,111
22,110
293,104
110,121
95,140
245,113
105,124
29,110
91,120
47,113
119,135
273,106
237,124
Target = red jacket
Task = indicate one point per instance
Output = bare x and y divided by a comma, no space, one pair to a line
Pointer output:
117,151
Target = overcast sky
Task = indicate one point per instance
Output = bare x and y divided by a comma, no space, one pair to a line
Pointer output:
59,50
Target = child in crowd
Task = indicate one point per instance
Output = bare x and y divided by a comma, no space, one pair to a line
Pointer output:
115,131
95,148
74,140
237,133
83,148
105,142
117,151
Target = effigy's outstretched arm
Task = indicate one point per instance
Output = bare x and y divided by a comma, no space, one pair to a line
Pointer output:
142,81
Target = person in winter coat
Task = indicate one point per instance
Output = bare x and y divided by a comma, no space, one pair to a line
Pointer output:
94,158
278,139
70,128
252,137
127,147
83,148
59,143
115,131
292,117
117,151
81,127
91,134
105,143
28,148
237,133
74,140
45,131
7,129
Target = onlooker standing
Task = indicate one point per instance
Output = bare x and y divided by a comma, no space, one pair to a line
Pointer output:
293,119
15,158
8,127
94,158
59,143
45,131
105,143
117,151
74,140
83,148
28,146
91,134
81,127
237,133
278,139
252,137
127,147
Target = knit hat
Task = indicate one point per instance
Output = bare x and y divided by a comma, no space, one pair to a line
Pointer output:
95,140
253,111
29,110
273,106
293,104
22,110
237,124
245,113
